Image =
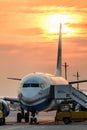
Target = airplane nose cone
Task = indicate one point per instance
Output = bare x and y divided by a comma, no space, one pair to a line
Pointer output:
29,95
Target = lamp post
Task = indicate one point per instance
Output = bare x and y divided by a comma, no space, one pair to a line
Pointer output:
65,66
77,75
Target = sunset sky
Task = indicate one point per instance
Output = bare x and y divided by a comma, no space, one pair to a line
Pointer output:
29,37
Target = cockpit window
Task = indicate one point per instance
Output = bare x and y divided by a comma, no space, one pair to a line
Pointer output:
34,85
30,85
26,85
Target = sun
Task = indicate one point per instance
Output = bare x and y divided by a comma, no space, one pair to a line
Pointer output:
52,22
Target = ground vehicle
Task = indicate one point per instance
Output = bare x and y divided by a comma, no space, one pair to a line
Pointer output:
67,114
2,117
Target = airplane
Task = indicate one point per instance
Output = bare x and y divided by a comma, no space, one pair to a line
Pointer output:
33,95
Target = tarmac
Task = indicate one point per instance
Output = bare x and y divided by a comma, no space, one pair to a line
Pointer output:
46,122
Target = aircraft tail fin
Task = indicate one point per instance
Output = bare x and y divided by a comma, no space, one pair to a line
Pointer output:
59,54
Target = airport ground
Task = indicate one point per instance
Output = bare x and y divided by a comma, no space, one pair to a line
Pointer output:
46,122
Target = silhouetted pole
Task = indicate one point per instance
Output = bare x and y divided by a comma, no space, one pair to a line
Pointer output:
77,75
65,66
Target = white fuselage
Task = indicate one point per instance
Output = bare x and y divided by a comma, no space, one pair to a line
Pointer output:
34,91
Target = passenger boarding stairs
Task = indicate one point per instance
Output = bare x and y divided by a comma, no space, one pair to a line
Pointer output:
68,92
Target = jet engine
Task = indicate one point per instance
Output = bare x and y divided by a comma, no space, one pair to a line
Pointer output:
6,107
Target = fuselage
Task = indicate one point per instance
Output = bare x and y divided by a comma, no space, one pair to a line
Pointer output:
34,91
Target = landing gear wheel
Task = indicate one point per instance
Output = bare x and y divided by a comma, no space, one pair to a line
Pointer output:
19,117
26,117
3,122
33,121
66,120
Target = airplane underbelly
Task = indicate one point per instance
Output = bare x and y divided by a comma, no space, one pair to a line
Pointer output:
37,101
36,106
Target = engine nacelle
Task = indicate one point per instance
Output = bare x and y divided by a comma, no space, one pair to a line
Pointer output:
5,107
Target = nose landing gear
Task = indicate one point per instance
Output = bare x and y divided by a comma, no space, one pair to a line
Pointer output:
23,115
33,120
27,117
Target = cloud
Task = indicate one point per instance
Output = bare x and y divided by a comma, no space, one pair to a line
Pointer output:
48,3
37,6
76,25
75,47
51,9
9,48
30,31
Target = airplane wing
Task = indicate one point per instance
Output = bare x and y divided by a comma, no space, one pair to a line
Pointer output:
11,99
15,79
78,81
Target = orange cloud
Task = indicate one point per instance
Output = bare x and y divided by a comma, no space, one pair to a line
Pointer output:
30,31
68,3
